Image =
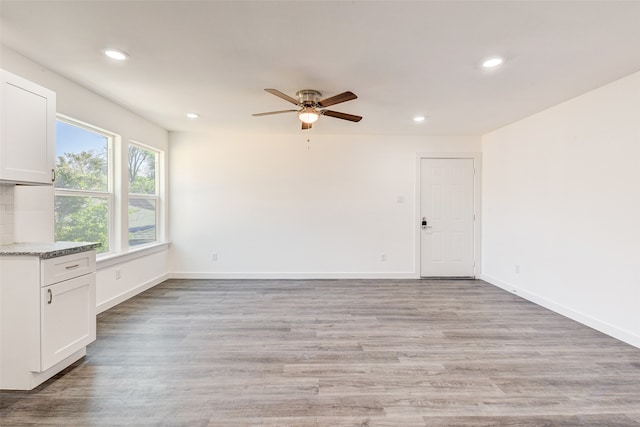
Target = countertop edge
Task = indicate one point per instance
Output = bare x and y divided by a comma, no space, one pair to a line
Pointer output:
47,250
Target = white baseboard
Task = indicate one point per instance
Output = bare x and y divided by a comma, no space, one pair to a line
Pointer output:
592,322
130,293
291,275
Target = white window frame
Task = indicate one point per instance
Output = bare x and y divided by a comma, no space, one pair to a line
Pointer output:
109,194
157,196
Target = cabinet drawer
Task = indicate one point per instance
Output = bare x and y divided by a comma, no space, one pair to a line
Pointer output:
68,318
55,270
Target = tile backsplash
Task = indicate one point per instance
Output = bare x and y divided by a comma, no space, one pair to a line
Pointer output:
6,213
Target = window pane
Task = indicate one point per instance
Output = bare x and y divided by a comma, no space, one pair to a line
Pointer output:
82,219
81,158
142,170
142,221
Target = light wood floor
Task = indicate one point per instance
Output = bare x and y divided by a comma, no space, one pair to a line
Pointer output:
337,353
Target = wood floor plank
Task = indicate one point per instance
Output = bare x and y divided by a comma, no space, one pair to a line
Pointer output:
209,353
605,420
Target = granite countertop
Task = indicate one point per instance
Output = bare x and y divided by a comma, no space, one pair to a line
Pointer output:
47,250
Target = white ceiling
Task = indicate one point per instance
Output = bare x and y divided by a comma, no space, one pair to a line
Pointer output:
400,58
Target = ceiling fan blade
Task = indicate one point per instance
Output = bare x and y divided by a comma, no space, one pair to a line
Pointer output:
306,125
342,97
273,112
284,96
343,116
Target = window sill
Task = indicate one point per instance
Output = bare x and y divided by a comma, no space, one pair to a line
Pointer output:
113,259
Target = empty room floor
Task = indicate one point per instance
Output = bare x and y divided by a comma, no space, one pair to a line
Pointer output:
337,353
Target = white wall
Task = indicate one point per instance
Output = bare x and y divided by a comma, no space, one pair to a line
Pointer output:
137,273
34,205
279,206
6,213
561,200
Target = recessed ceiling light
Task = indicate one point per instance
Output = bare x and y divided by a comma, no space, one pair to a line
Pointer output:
116,54
492,62
193,115
419,119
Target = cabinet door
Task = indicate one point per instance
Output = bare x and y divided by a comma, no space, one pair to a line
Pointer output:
68,318
27,140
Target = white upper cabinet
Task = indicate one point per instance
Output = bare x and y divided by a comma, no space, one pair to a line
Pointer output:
27,131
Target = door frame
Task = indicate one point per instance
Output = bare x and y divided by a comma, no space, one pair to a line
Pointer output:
477,206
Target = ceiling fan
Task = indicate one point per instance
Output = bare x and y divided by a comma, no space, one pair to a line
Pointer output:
312,107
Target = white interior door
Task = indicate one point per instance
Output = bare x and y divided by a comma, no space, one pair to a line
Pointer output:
446,218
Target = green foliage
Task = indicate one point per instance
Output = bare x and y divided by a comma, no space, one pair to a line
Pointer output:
86,170
82,219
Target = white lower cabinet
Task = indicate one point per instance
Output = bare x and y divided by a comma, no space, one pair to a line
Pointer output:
47,317
68,318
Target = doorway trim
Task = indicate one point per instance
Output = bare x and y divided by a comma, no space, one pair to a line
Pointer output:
477,206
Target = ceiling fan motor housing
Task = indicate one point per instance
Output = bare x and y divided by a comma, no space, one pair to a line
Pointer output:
308,97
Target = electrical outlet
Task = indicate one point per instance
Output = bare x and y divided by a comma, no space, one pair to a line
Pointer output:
214,256
517,268
118,274
383,257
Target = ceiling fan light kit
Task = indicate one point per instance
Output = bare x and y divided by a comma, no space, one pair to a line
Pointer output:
308,115
311,106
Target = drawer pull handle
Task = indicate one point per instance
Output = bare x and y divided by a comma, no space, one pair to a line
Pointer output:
50,296
69,267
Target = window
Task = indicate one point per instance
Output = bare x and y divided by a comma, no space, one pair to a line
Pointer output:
83,187
143,194
106,191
